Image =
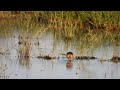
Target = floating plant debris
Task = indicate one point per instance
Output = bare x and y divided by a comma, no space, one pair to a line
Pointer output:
46,57
84,57
115,59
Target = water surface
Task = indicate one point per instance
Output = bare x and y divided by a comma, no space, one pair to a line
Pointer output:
11,67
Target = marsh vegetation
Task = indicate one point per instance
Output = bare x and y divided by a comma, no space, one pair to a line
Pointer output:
49,35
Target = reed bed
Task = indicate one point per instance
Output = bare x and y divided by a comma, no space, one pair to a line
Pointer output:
89,29
69,22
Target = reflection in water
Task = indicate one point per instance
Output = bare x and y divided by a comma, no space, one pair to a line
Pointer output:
69,65
24,47
25,63
115,70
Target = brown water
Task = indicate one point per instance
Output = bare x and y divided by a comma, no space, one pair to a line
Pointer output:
11,67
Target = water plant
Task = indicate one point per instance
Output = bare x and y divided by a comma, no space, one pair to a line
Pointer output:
89,29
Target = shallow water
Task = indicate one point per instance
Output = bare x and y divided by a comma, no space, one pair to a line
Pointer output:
36,68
